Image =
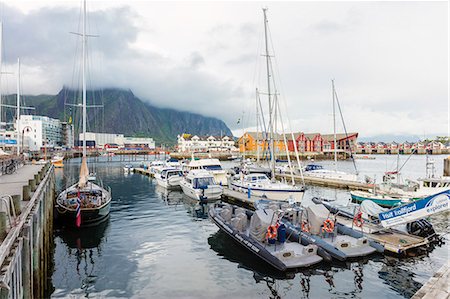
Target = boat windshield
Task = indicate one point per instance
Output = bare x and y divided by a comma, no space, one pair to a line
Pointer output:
174,173
313,167
200,183
212,167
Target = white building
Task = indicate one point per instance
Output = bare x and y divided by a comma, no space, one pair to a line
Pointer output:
101,139
194,143
139,142
38,131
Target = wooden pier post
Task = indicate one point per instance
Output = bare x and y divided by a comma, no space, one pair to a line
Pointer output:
37,178
447,166
26,194
32,184
2,226
16,200
26,262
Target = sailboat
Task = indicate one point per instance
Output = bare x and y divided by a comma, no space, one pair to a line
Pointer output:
259,184
84,203
314,170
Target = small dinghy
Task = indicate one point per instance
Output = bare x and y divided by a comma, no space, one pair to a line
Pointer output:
315,225
262,233
128,168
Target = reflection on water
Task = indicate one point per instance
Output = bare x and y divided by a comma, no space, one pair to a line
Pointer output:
160,244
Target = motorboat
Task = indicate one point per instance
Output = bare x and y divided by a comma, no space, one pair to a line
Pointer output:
260,185
401,229
262,234
199,184
156,166
316,225
383,199
174,163
169,177
213,166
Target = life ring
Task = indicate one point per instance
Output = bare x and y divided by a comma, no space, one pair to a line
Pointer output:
358,220
328,226
306,227
272,232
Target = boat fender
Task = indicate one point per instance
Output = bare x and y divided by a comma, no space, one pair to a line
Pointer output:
281,233
358,220
272,233
328,226
305,226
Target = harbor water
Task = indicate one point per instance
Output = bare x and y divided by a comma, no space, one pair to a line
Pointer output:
160,244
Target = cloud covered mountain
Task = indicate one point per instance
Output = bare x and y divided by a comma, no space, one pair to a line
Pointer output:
124,113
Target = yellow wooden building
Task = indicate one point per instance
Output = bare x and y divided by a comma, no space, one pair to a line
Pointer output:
247,142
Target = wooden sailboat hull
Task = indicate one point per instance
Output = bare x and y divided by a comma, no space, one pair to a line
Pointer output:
89,216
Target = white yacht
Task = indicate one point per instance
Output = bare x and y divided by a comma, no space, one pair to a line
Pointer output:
200,184
259,184
169,177
156,166
432,183
213,166
315,170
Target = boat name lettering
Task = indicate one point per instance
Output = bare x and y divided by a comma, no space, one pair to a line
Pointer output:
247,243
223,225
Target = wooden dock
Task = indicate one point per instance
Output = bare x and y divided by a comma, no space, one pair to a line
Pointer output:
327,182
393,241
437,287
240,198
26,228
144,172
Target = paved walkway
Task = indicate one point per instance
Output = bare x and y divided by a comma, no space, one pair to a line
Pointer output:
12,184
437,287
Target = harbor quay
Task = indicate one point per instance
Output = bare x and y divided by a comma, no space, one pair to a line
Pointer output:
33,268
26,231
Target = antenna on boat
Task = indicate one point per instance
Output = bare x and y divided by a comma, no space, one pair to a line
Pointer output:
334,127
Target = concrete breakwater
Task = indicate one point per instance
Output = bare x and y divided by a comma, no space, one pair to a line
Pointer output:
26,231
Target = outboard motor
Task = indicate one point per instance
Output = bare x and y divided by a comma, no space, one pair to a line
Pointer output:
422,228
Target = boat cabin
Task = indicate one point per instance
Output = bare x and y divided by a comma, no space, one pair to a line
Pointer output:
88,198
167,173
200,179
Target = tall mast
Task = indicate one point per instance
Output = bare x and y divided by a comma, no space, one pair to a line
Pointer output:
257,126
1,54
272,159
334,128
18,108
84,77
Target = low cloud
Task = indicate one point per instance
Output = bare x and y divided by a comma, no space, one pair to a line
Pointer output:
389,59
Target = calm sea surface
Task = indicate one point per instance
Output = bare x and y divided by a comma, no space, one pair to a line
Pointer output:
159,244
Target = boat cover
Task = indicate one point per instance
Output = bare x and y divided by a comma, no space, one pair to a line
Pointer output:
239,222
259,223
317,214
226,213
370,208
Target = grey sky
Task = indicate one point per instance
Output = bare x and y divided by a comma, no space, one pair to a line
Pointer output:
389,59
